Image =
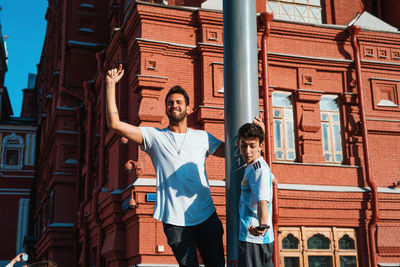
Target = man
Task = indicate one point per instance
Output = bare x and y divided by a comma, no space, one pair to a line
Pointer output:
255,206
184,204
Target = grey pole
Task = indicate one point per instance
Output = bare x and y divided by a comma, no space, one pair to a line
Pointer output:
241,103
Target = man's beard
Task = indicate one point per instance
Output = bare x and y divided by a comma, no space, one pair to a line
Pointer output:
176,117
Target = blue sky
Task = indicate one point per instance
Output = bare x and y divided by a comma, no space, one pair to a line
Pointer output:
24,23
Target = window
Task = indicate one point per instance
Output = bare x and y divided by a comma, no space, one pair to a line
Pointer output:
12,152
309,11
12,157
283,126
331,130
303,246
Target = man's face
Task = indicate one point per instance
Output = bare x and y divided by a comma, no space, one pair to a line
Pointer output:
250,149
176,108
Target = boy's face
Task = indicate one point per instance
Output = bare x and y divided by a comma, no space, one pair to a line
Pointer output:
250,149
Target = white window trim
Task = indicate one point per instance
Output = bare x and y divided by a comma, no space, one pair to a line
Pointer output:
23,220
19,147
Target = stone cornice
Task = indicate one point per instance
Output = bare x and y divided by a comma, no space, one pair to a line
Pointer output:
165,14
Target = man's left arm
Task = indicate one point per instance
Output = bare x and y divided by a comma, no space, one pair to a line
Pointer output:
220,152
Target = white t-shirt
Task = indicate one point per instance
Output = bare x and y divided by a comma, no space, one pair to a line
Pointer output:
183,192
256,186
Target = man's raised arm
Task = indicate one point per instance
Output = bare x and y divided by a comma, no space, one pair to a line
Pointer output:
130,131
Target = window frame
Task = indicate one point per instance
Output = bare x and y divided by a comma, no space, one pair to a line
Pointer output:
331,134
283,130
303,252
12,142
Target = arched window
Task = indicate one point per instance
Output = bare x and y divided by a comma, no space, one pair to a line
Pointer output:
12,152
317,246
318,241
290,242
346,243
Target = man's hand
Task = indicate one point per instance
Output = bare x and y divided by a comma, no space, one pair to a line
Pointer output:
17,258
114,75
258,121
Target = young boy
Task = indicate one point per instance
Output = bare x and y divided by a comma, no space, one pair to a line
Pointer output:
256,235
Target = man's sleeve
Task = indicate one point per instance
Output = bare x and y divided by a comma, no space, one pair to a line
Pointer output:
148,137
213,143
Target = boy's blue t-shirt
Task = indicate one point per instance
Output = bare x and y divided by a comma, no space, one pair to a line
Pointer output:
256,185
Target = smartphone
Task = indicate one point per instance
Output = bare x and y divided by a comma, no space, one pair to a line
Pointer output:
262,227
24,257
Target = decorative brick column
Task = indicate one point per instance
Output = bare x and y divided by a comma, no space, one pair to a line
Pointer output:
308,118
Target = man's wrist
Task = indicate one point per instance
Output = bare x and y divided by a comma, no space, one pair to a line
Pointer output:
112,83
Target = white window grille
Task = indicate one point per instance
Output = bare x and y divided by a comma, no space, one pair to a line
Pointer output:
309,11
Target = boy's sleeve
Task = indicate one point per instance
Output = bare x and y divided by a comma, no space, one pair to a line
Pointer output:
260,185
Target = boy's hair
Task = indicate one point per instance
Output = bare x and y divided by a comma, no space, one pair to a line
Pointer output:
177,90
251,130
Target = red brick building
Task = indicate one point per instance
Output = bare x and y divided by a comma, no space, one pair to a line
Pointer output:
17,166
338,198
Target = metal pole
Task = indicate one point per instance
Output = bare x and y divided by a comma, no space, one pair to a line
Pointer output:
241,103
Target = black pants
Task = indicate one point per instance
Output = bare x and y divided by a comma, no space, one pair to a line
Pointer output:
206,236
255,255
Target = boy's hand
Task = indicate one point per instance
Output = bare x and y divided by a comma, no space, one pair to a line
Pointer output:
114,75
255,231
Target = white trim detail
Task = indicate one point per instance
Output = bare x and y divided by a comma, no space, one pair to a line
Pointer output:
19,128
16,176
23,220
15,193
90,44
16,143
212,4
152,182
295,187
28,145
33,151
60,224
15,189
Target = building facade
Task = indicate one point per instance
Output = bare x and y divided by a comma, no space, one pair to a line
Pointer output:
332,69
17,167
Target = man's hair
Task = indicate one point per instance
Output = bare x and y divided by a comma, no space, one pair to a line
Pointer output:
177,90
251,130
